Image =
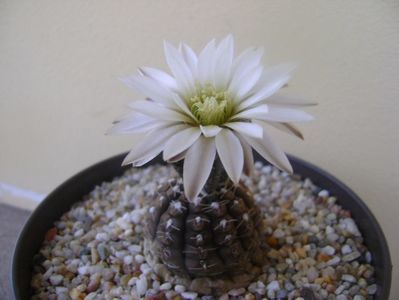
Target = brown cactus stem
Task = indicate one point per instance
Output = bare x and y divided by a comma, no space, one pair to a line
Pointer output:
217,237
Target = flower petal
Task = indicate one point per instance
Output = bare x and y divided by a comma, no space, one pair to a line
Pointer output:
210,130
159,76
177,158
197,166
248,157
284,115
247,60
251,129
254,112
151,145
280,99
157,111
264,93
180,142
240,86
272,80
231,154
190,57
270,151
183,106
286,127
135,126
206,63
179,68
223,62
150,88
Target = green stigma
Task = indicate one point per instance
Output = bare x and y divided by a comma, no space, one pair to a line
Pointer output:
211,107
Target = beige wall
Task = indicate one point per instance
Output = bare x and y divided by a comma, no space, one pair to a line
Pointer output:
59,61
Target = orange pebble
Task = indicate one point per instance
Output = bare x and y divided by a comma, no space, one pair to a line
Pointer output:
323,257
272,241
301,252
50,234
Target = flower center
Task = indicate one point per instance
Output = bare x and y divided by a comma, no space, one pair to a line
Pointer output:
211,107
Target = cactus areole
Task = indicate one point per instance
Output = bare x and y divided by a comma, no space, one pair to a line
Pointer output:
205,118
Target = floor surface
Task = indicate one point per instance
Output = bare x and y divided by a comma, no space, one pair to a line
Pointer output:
11,222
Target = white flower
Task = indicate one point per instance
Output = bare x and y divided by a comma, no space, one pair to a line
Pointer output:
212,103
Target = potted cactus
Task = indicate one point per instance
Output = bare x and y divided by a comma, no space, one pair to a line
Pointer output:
205,119
218,220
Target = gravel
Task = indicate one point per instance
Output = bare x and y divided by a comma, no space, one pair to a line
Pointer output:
95,251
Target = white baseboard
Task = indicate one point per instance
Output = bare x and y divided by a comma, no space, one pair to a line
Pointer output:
18,197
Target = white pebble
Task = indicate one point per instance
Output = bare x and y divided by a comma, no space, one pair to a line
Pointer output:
346,249
135,248
156,285
145,268
79,233
350,226
141,285
237,292
139,258
358,297
61,289
328,250
56,279
189,295
348,278
102,236
329,230
252,287
84,270
372,289
273,286
128,260
135,216
341,297
324,194
180,288
165,286
334,261
340,289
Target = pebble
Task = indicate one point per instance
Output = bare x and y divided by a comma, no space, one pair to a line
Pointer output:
180,288
141,285
97,251
348,278
372,289
56,279
346,249
139,258
340,289
189,295
328,250
334,261
273,286
278,233
237,292
102,236
128,260
165,286
351,256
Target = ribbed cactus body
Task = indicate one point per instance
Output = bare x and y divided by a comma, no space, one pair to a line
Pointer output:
218,235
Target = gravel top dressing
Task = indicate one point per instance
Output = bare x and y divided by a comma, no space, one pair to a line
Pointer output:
96,250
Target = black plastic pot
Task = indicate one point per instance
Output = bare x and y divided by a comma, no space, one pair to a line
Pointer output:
73,190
